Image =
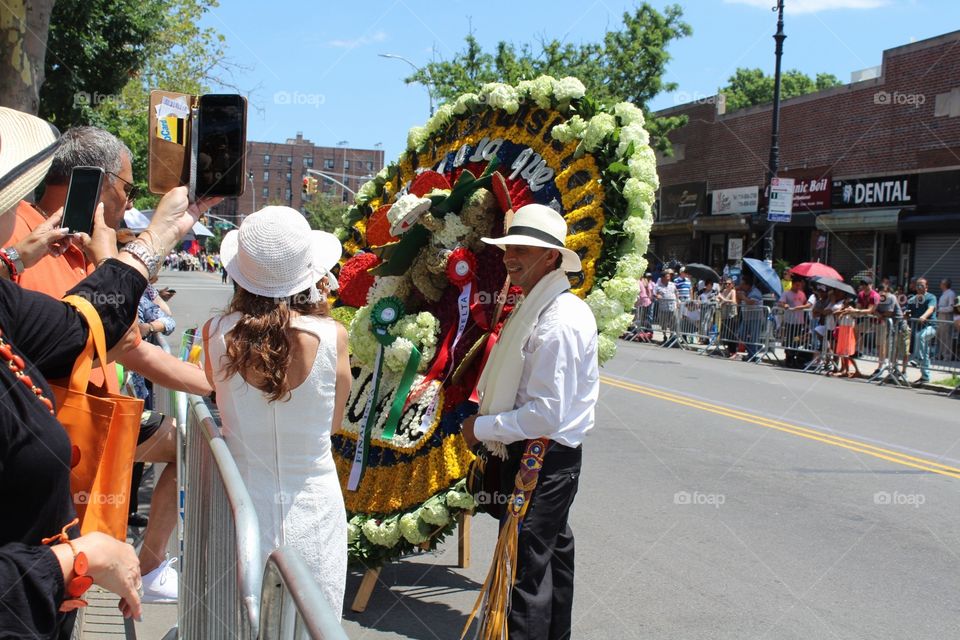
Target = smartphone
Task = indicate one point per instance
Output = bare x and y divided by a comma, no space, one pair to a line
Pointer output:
221,145
83,196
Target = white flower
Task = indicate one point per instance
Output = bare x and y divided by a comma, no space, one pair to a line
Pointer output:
502,96
405,212
539,90
599,127
606,348
384,286
623,290
395,356
460,500
363,345
465,102
643,166
382,174
367,191
416,137
635,134
569,88
570,130
435,512
412,528
440,119
631,265
628,113
638,194
453,230
385,534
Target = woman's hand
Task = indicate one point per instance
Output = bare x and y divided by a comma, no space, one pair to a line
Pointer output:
175,216
48,238
115,567
103,243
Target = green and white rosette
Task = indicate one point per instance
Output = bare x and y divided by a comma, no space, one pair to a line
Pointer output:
386,312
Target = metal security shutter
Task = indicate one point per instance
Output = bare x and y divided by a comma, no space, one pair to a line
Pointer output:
851,253
937,257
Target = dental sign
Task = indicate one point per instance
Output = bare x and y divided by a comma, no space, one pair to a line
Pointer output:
885,191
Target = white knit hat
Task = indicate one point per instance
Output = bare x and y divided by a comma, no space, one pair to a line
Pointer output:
537,225
274,254
27,144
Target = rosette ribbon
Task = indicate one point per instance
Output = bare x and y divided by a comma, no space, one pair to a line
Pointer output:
385,314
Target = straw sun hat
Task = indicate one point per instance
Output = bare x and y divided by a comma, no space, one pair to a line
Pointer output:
275,254
27,144
537,225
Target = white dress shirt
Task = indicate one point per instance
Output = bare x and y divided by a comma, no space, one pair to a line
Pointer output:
560,382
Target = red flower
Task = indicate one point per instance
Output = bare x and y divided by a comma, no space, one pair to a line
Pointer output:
356,280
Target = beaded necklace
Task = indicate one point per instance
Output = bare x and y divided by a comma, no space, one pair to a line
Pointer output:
16,364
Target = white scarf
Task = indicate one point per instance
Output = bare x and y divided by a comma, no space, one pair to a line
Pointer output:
500,379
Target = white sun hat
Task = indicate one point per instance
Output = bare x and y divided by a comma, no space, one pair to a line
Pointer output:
27,145
275,254
537,225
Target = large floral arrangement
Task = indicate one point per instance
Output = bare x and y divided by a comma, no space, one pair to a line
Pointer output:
426,297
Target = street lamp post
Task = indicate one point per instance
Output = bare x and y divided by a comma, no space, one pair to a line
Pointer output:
343,165
774,163
332,179
428,85
253,189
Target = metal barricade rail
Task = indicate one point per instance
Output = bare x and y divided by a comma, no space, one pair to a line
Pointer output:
291,604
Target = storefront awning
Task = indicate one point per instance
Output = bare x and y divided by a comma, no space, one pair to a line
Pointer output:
930,222
861,220
799,219
671,227
722,224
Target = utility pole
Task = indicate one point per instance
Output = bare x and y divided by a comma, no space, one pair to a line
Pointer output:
774,163
429,86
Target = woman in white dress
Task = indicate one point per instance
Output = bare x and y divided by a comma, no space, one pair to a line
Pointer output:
280,368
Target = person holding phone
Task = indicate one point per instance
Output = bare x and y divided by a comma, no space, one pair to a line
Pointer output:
42,583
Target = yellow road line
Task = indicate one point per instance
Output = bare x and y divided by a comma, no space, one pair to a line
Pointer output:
786,427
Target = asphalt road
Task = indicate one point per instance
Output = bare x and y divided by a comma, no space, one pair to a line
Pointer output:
723,500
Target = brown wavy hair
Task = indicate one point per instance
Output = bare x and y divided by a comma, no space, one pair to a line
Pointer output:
258,347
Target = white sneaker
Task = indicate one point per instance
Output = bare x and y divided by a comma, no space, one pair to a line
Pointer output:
160,585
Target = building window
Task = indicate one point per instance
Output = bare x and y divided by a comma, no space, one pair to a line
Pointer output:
266,193
328,163
308,163
346,196
327,185
266,159
369,165
289,194
289,160
266,176
346,164
288,176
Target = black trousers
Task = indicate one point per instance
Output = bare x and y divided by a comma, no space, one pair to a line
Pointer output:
542,600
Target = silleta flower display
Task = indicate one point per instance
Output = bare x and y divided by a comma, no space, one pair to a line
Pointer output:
417,280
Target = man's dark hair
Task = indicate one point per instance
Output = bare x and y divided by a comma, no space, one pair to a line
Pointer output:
86,147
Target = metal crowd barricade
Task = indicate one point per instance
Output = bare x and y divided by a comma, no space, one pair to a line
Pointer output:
939,339
291,604
889,354
665,316
220,579
755,329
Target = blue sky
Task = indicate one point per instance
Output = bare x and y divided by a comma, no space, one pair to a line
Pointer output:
314,66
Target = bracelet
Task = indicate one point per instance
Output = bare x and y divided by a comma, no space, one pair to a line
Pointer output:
155,244
81,580
142,253
8,263
102,260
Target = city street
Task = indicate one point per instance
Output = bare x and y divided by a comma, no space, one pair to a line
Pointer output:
722,500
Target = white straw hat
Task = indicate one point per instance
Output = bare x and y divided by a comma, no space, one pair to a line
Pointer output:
537,225
275,254
27,144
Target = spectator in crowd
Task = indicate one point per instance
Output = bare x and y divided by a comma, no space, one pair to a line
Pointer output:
845,341
728,316
41,582
280,366
945,313
665,294
867,299
683,284
893,333
921,309
644,316
753,318
54,275
793,301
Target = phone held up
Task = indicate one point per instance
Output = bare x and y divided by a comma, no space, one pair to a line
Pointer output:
221,145
83,196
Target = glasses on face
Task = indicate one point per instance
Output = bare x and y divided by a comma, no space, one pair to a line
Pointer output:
129,189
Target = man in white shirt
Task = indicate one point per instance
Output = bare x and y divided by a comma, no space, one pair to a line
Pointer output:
554,398
945,316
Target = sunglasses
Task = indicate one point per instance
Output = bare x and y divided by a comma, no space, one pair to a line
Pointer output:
129,189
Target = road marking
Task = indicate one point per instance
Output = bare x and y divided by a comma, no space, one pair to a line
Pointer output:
792,429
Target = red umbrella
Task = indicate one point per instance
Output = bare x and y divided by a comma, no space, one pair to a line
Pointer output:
810,269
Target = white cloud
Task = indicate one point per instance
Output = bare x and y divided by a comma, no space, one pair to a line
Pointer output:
364,40
813,6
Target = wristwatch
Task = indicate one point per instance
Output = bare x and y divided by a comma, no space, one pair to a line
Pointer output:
13,256
149,259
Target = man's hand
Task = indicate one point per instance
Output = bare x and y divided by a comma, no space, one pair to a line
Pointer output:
103,243
467,430
48,238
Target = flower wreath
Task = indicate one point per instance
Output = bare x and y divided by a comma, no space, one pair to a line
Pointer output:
413,235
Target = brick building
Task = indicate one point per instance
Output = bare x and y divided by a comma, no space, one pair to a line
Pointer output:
275,173
876,164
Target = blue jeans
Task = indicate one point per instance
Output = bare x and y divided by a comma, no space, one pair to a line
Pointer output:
925,336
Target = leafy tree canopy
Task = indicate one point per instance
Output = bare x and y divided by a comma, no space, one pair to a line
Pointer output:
749,87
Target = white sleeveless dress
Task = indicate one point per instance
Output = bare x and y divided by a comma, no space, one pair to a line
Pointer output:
283,452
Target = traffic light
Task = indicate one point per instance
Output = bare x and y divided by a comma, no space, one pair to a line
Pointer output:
309,185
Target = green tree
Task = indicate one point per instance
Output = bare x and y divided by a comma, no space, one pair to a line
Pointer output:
325,212
627,65
24,25
749,87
